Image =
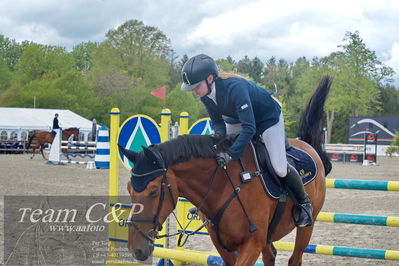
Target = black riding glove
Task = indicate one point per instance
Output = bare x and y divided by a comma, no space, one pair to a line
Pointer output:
223,158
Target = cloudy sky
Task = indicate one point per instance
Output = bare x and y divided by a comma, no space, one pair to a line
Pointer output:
282,28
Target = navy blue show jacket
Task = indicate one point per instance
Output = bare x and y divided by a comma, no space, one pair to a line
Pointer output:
245,101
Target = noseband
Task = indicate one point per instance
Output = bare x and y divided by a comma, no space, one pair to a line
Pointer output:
157,226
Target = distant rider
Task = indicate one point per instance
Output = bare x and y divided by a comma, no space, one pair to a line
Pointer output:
55,125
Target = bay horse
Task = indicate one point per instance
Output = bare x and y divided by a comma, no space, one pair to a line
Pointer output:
43,137
186,167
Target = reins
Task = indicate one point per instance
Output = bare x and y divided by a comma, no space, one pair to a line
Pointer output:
216,220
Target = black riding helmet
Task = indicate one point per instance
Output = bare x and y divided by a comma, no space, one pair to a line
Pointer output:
197,69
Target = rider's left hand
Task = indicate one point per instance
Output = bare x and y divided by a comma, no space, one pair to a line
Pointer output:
223,158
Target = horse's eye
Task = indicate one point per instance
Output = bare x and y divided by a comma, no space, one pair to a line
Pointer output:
154,192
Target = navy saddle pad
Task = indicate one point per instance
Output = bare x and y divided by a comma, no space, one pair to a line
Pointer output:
304,164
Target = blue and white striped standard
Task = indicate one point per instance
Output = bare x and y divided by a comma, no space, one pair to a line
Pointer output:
102,152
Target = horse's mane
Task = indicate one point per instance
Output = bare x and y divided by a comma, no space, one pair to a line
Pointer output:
184,147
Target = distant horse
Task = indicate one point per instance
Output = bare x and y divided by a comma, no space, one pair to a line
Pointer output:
43,137
186,167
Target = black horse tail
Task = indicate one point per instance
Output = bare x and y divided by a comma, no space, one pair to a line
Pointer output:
30,140
311,123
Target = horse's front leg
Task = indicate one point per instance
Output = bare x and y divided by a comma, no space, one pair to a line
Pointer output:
229,258
33,151
269,253
41,151
249,252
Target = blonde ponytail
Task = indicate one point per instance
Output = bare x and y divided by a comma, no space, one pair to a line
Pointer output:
226,75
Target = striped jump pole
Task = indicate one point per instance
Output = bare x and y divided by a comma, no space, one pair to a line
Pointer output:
362,184
75,162
190,256
342,251
78,142
206,258
86,148
358,219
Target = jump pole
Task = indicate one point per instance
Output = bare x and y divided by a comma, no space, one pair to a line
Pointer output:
362,184
113,181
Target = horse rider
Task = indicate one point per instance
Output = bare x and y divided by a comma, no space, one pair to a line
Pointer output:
55,125
258,112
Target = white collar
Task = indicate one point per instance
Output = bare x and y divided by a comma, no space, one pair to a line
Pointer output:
212,95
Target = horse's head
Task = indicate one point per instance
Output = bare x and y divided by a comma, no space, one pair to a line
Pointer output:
69,131
152,187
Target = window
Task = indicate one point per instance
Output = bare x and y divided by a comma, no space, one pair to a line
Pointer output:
24,135
13,135
3,135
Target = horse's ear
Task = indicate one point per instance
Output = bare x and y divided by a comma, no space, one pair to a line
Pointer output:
150,154
131,155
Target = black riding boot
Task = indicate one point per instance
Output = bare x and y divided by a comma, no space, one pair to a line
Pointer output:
303,212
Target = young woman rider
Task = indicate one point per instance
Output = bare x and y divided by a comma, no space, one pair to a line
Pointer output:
257,111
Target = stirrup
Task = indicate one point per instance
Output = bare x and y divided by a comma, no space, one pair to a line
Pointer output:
302,214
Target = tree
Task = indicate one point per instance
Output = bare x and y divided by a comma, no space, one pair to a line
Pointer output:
356,76
142,50
83,55
357,73
390,100
182,61
11,51
244,65
277,76
71,91
256,70
253,68
38,61
174,70
5,75
225,65
362,60
394,147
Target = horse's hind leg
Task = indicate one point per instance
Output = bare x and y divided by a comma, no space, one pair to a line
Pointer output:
269,254
303,235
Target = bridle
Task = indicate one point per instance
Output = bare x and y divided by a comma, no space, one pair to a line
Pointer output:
157,226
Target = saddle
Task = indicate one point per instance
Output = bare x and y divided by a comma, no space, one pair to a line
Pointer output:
301,160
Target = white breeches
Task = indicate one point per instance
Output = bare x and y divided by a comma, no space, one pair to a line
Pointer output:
274,139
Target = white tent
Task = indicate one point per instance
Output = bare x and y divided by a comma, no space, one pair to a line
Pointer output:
16,122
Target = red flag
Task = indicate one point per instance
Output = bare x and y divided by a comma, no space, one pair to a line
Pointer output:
159,93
